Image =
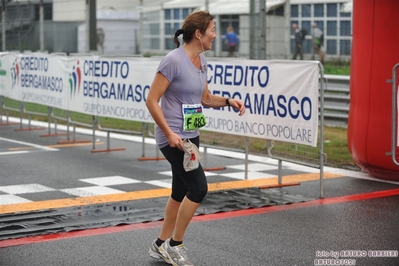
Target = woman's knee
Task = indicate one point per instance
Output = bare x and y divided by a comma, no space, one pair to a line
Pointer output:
198,195
178,196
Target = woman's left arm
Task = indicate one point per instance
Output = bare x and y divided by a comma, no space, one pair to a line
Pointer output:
215,101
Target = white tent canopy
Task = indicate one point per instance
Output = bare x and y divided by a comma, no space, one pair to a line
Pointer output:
298,2
222,7
235,7
184,4
227,7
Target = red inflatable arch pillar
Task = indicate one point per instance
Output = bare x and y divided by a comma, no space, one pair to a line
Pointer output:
375,51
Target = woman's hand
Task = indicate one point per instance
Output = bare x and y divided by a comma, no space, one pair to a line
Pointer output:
237,104
175,141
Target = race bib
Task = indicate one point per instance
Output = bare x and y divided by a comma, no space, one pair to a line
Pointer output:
193,117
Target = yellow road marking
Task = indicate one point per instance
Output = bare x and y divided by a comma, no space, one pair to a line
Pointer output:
21,148
154,193
57,146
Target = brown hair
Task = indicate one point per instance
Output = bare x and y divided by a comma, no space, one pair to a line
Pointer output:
196,20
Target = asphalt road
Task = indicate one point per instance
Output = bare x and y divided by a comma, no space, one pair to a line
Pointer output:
38,177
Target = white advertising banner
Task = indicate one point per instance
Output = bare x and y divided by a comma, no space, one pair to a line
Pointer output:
113,87
4,73
42,79
9,78
281,97
77,101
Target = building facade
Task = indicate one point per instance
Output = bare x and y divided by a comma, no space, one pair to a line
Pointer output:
333,17
335,21
159,19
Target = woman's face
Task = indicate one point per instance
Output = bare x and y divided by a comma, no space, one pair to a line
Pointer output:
210,35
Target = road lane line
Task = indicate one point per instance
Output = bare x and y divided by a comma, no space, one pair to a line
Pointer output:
13,152
57,146
154,193
29,144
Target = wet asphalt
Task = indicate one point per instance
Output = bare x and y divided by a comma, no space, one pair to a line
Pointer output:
356,223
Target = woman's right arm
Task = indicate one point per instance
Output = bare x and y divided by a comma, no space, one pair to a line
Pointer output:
158,88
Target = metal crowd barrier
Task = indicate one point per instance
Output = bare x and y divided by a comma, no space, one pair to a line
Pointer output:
8,109
281,151
302,154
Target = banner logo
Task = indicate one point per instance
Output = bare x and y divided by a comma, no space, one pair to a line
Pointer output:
75,79
15,71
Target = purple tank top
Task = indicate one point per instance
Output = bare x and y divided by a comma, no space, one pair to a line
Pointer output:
187,83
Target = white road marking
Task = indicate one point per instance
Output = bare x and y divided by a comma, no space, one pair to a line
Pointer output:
26,144
13,152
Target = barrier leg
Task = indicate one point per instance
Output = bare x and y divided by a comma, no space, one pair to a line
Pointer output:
156,158
108,149
29,125
7,123
74,138
50,110
143,157
206,162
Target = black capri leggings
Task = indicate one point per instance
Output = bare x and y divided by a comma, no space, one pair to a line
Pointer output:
191,184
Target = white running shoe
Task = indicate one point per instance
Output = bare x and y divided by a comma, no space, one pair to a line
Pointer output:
154,252
176,255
